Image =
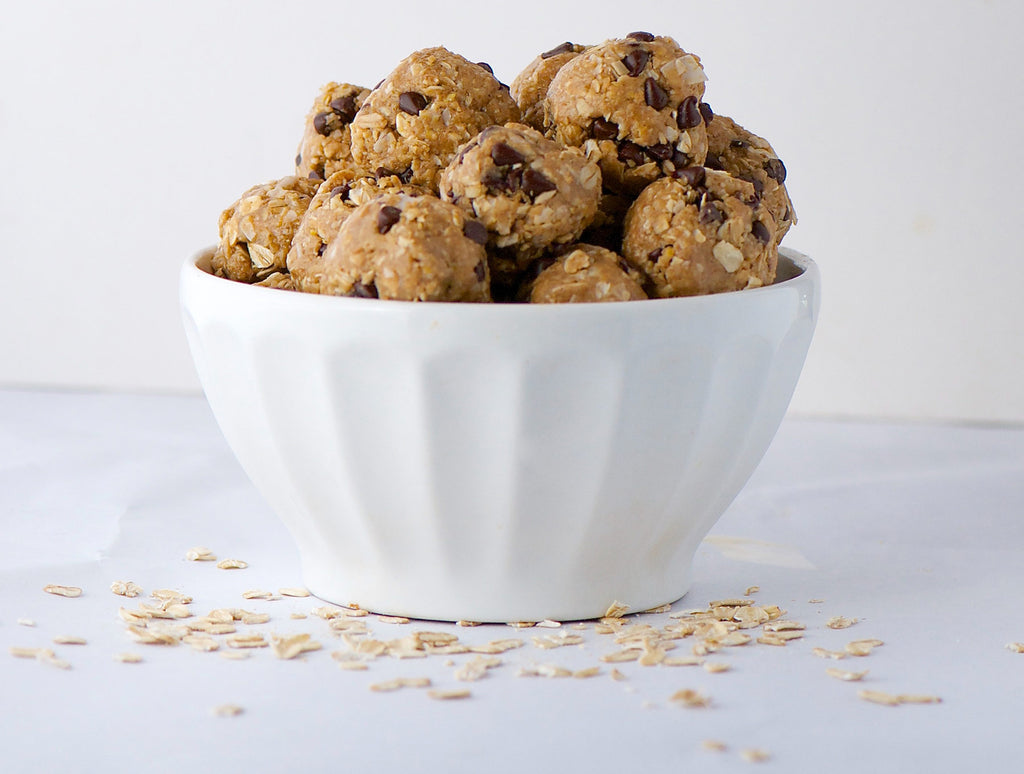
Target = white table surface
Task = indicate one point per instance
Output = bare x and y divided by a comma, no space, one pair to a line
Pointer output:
915,530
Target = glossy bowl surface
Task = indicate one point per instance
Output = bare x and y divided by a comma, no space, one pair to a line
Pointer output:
495,462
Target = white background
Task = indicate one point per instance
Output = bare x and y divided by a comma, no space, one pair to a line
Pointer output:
126,127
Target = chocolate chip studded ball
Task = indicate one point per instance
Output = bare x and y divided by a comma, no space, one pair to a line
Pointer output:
745,155
408,248
587,273
326,139
530,88
701,231
430,104
634,105
528,191
256,231
337,197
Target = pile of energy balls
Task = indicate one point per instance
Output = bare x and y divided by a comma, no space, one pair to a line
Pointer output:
599,175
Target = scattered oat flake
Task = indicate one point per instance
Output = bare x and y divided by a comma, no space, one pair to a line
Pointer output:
126,588
620,656
615,674
879,697
400,682
128,658
62,591
293,592
392,619
815,601
751,590
247,641
732,602
840,622
200,643
660,609
862,647
294,646
234,655
917,698
772,639
21,652
296,617
232,564
467,623
713,745
754,755
690,698
842,674
682,661
47,656
825,653
616,610
1016,647
67,639
783,625
200,554
449,693
227,711
547,623
714,667
171,595
588,672
30,622
256,594
476,668
522,624
544,670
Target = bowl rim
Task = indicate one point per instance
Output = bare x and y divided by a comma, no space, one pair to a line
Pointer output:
802,270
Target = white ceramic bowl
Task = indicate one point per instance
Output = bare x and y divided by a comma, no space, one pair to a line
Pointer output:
496,462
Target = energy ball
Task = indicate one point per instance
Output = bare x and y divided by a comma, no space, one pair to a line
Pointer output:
745,155
335,200
326,143
634,105
587,273
530,88
701,231
256,231
528,191
408,248
431,103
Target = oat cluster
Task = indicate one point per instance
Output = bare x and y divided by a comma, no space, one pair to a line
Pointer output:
600,174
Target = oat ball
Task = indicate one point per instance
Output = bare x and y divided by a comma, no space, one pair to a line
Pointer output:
430,104
528,191
701,231
256,231
529,89
326,138
587,273
745,155
408,248
337,197
635,106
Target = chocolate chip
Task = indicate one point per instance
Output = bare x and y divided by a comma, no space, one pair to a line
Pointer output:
688,113
758,185
344,108
776,170
504,156
498,182
655,254
405,176
680,159
655,96
662,151
486,66
321,248
636,60
298,159
411,102
706,112
315,174
340,190
359,290
480,271
713,162
693,176
626,268
760,232
475,230
644,36
630,151
321,122
738,143
602,129
564,48
710,212
534,183
387,217
379,84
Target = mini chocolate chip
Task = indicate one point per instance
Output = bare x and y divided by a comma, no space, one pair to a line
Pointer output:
603,129
626,268
340,190
713,162
486,66
693,176
636,60
655,254
316,174
497,182
405,176
534,183
298,159
706,112
680,159
321,123
321,248
379,84
688,113
359,290
738,143
387,217
480,271
662,151
644,36
504,156
655,96
776,170
630,151
758,185
787,214
475,230
564,48
710,212
411,102
760,232
344,108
